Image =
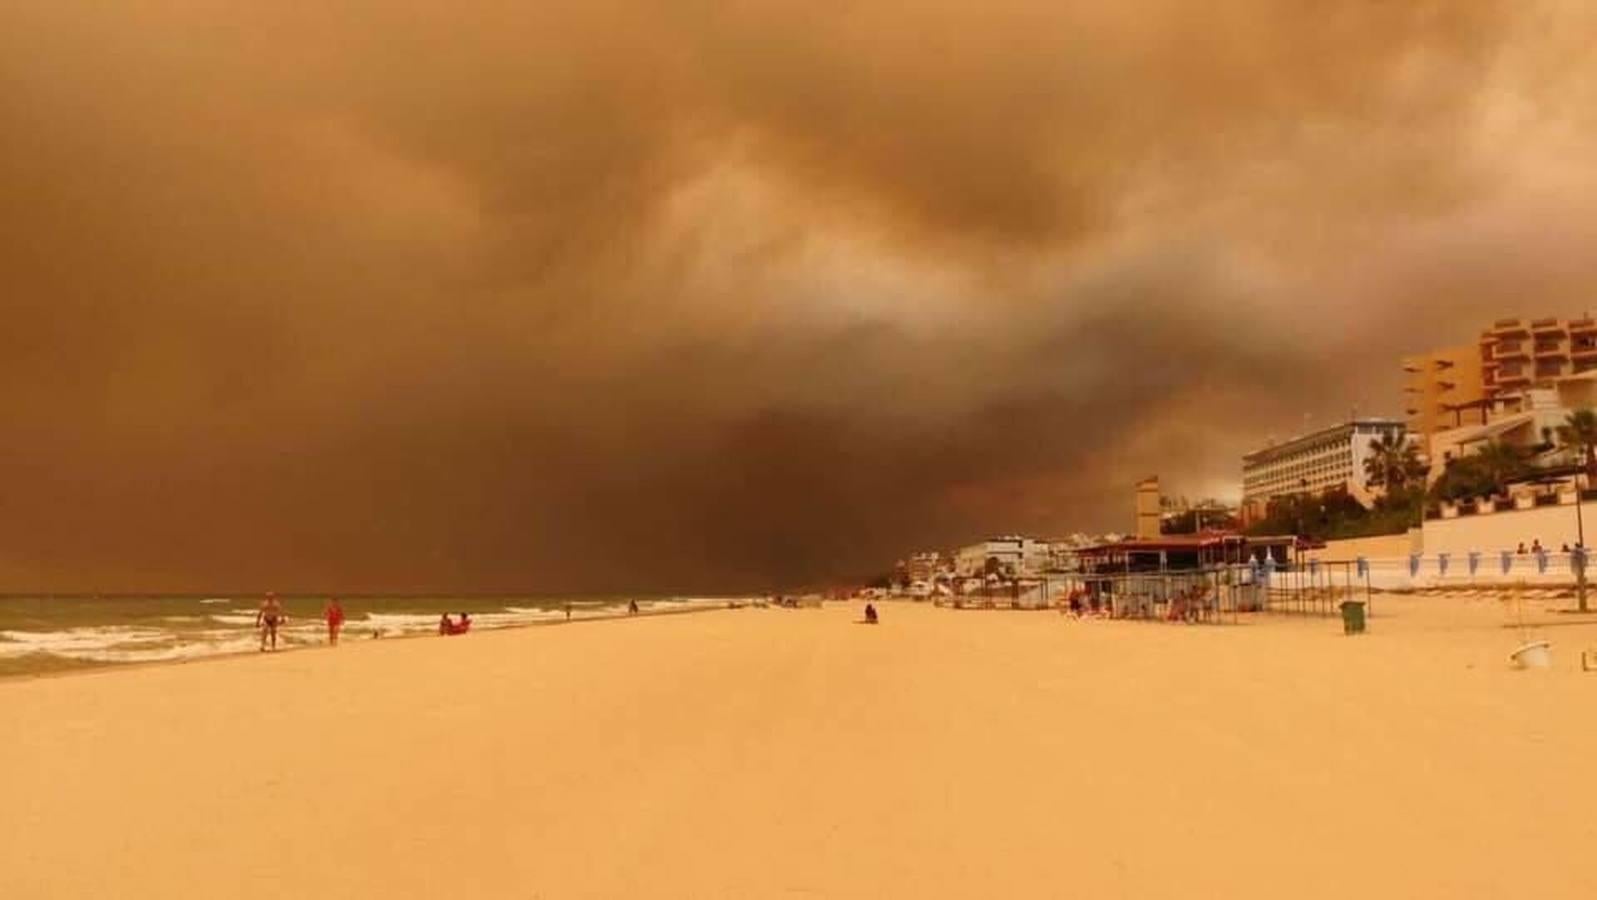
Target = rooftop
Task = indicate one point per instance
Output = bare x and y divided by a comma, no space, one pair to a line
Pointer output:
1292,445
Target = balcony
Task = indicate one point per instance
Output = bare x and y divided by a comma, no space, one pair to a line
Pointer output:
1583,326
1583,347
1549,370
1508,328
1549,348
1509,350
1547,326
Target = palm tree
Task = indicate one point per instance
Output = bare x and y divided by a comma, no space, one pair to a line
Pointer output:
1580,432
1499,462
1393,463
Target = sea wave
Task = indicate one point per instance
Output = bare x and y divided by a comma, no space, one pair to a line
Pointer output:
80,640
187,650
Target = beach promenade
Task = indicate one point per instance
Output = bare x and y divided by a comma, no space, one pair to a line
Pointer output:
791,753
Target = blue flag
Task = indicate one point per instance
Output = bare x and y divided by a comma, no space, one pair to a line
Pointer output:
1508,561
1413,564
1441,564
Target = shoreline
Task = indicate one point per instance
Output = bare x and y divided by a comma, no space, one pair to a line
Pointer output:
104,668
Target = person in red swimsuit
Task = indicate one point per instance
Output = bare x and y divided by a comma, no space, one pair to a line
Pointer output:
334,613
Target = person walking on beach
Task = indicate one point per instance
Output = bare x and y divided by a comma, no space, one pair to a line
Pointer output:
267,618
568,610
334,613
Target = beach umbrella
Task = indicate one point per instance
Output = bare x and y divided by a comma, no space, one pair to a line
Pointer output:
1474,562
1508,561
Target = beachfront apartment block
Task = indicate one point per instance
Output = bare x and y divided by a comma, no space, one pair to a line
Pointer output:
1518,354
1016,556
1441,384
1516,379
1458,386
1329,459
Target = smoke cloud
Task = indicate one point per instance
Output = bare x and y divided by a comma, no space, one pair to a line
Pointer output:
701,296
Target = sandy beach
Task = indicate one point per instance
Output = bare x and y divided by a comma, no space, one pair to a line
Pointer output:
792,753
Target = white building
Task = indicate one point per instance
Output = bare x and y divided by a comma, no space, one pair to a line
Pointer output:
1016,555
924,567
1527,419
1332,458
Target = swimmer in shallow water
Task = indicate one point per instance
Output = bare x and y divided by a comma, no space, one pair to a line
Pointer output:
267,618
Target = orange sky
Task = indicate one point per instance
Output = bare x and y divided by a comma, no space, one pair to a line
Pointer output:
613,295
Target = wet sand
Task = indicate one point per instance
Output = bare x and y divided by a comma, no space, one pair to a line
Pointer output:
792,753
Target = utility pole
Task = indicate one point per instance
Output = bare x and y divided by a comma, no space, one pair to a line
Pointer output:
1580,539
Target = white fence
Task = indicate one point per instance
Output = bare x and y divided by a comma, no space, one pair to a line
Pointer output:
1468,569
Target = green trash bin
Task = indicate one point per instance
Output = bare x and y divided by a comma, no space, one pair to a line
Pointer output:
1352,616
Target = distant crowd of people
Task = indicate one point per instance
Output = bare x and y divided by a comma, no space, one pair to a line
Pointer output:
1537,549
270,618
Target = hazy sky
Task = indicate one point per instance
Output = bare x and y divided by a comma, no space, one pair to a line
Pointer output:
619,295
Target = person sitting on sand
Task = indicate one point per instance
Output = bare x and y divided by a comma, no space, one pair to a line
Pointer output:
870,614
268,617
334,613
446,625
465,624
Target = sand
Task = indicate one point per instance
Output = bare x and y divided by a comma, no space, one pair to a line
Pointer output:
791,753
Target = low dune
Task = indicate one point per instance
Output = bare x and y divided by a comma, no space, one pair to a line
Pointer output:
794,753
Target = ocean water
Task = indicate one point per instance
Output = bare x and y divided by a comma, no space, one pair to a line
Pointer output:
52,633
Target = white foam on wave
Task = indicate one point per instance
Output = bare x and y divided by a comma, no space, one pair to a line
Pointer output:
209,600
233,618
79,640
190,650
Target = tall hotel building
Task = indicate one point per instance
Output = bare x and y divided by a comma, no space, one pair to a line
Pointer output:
1313,464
